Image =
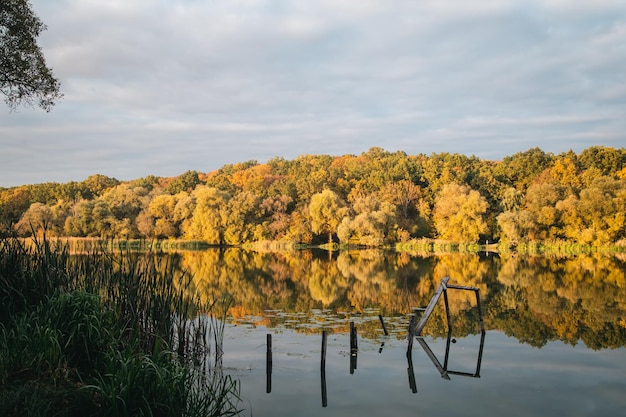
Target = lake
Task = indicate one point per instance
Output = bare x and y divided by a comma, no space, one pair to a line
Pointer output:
554,340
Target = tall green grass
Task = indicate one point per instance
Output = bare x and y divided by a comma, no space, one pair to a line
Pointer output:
103,335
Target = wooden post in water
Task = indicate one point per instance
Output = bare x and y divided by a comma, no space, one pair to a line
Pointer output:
323,364
480,311
268,364
411,334
353,337
411,372
382,322
353,347
323,370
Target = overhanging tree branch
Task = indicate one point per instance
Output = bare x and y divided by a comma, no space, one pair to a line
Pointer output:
25,79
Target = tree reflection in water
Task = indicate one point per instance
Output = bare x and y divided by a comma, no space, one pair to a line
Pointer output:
535,299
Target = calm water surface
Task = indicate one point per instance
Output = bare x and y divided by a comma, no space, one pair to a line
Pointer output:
554,343
515,379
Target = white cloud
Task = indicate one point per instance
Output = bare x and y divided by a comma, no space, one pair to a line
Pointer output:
197,84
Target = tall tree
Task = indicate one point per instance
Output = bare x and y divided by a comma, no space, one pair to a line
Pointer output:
326,211
36,219
24,76
184,182
459,213
598,215
206,223
13,203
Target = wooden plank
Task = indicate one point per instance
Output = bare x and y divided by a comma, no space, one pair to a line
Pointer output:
461,287
431,306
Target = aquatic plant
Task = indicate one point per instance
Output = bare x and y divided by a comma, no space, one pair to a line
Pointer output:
104,335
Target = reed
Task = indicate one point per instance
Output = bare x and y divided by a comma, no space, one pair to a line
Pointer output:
104,335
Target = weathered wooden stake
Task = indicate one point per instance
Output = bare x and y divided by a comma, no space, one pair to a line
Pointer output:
431,306
353,347
411,372
448,317
268,365
323,364
323,370
411,334
353,337
380,317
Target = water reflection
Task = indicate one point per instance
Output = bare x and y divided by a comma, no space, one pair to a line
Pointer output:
536,299
443,368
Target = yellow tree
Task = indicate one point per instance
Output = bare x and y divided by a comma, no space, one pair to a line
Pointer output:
13,203
240,217
541,199
326,211
37,219
206,223
459,213
598,215
162,209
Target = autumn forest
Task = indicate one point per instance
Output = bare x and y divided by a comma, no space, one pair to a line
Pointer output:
378,198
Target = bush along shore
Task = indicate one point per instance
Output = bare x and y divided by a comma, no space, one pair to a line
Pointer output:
92,335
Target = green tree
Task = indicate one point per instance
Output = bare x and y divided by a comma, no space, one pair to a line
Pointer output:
24,76
72,191
520,169
459,213
608,161
326,211
97,184
184,182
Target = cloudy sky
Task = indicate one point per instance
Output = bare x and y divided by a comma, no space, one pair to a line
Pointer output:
159,87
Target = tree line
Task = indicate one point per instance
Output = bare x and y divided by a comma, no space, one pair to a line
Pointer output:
372,199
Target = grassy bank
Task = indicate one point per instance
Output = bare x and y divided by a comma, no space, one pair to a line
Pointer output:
534,248
91,244
99,336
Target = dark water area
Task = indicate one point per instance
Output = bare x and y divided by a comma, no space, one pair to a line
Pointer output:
554,340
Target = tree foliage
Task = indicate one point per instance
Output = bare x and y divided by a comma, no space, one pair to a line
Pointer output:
459,213
24,76
326,211
376,198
